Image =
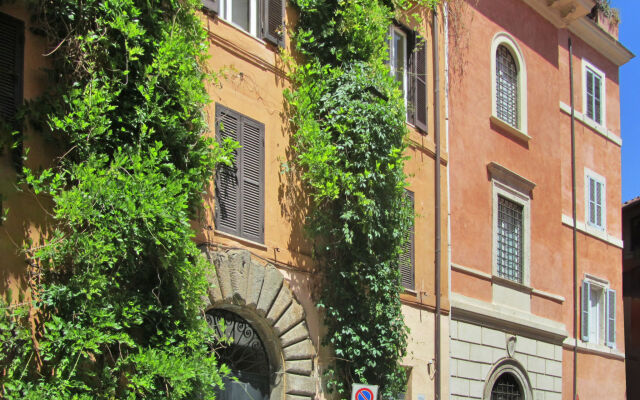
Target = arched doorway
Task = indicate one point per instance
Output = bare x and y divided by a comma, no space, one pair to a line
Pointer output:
506,387
242,350
508,380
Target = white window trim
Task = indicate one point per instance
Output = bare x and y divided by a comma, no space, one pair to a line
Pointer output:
598,178
504,39
396,30
502,190
603,94
603,285
226,13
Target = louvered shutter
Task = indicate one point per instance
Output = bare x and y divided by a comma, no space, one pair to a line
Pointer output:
212,5
584,327
273,21
611,318
11,65
252,181
598,203
590,111
596,99
407,259
411,81
227,184
420,84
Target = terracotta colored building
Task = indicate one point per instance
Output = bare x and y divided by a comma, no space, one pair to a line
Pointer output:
536,245
631,293
253,230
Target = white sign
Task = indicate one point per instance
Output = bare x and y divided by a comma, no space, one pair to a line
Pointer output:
364,392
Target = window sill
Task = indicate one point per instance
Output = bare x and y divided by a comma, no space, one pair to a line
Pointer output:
510,130
596,233
242,240
496,280
599,129
593,348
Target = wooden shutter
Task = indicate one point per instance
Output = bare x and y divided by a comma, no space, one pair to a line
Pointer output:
11,66
273,21
227,184
411,81
584,327
611,318
252,181
420,84
589,84
596,98
211,5
407,258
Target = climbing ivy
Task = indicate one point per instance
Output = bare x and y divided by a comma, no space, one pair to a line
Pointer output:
350,126
117,309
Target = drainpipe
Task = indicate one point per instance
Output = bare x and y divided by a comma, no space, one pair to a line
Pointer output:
438,239
576,299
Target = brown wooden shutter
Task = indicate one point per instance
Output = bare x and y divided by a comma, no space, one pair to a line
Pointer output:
420,83
211,6
411,82
252,181
11,66
407,258
273,21
227,189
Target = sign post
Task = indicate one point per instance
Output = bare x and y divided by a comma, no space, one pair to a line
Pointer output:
364,392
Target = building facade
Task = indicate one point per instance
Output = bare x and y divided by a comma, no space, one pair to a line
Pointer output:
253,229
525,323
631,293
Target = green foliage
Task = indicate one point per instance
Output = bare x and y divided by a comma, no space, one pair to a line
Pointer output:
118,304
349,117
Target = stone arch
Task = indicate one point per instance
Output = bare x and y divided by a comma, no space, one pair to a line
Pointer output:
258,293
511,366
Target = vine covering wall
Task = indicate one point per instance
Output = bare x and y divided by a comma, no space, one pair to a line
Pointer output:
118,285
350,125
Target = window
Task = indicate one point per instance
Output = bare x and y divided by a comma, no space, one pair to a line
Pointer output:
593,93
407,257
509,83
240,188
511,224
408,65
506,86
598,312
509,232
260,18
595,195
506,387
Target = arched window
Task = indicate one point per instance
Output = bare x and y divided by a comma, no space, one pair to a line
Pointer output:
506,87
242,350
509,85
506,387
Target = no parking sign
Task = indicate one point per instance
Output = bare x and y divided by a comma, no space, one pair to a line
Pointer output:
364,392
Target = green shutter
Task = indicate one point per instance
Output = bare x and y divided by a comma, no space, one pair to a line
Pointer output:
611,318
407,257
584,327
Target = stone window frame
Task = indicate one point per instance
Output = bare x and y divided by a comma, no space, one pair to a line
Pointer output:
515,188
594,283
506,40
586,65
508,366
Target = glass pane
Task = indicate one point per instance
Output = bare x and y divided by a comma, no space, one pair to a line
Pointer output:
399,57
240,10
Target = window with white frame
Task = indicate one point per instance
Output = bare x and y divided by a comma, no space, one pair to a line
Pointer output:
598,324
593,93
509,82
595,204
408,65
511,224
242,13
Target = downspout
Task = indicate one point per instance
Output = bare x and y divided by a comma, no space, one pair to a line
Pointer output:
438,239
576,299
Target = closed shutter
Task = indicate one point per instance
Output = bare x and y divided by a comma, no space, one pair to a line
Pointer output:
596,99
411,81
252,181
240,188
407,258
273,21
211,5
611,318
420,85
227,182
590,111
11,65
584,327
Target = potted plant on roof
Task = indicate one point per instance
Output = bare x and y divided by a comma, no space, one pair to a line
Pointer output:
607,17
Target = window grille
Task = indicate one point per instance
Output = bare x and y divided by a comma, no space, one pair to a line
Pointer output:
506,388
509,240
506,87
